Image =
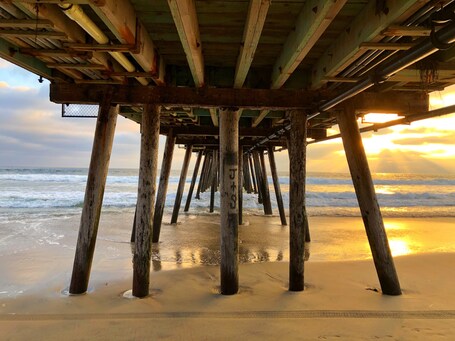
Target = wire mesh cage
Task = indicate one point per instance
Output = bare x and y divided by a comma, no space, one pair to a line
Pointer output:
79,110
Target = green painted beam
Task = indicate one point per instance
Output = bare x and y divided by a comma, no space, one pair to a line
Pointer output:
10,53
366,27
185,18
313,20
257,12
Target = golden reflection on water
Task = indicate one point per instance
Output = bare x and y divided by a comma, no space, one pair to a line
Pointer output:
385,190
395,226
399,247
265,240
401,241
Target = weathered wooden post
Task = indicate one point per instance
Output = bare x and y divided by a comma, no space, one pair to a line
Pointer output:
246,172
297,211
181,186
214,178
133,233
276,185
203,170
368,202
259,182
162,187
193,181
307,227
208,172
250,162
229,138
94,193
266,192
145,199
240,176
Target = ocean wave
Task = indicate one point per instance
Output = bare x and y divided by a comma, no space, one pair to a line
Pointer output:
65,188
49,199
117,176
425,181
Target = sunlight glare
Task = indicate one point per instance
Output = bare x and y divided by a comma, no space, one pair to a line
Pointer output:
395,226
379,118
384,190
399,247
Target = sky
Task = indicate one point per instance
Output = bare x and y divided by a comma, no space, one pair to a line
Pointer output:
33,134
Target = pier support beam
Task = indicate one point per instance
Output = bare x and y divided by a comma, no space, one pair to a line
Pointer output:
207,180
369,207
297,210
133,233
276,185
246,174
201,176
193,181
214,179
162,187
229,138
94,193
265,186
181,187
150,128
259,182
240,187
250,162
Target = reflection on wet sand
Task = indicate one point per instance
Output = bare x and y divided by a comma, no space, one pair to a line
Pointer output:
178,249
182,247
205,256
263,239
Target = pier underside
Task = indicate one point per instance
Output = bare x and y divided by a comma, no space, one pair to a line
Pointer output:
234,81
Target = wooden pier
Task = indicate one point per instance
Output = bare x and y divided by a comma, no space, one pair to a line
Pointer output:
233,81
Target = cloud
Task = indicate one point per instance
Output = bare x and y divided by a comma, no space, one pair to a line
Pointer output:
33,133
407,162
422,140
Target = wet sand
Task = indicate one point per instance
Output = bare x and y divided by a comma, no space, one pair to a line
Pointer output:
341,300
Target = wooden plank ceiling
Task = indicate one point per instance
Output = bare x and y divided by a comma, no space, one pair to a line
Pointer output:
259,44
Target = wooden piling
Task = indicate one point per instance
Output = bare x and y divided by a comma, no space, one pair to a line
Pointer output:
257,171
297,212
214,180
193,181
265,186
207,181
369,207
246,174
181,186
253,178
307,227
133,233
276,185
229,137
145,199
240,185
94,192
163,184
204,167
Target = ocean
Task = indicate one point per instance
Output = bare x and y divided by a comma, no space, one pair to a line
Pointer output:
35,190
40,209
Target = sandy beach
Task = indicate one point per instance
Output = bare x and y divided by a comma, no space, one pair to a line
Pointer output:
342,299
